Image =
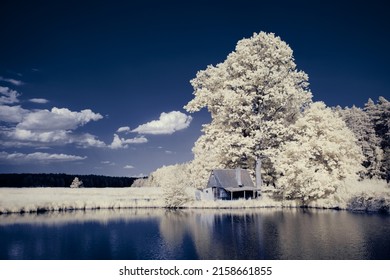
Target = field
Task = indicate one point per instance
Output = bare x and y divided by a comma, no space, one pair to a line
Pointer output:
369,195
16,200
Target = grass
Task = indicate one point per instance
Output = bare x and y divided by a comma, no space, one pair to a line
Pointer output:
367,195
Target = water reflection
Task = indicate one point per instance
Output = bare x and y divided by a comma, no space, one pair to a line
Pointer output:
195,234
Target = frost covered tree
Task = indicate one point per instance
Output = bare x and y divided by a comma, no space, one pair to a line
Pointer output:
358,121
380,117
320,154
76,183
253,97
173,180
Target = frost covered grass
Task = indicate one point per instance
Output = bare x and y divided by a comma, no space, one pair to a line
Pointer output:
367,195
19,200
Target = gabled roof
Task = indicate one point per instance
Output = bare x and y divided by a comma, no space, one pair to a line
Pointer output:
231,179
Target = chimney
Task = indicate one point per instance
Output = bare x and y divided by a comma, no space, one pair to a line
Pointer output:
259,182
238,177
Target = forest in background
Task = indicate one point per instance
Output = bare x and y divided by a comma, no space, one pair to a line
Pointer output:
27,180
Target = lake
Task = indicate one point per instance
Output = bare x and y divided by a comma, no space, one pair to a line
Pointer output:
195,234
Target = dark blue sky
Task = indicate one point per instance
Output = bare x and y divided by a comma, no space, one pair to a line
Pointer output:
129,61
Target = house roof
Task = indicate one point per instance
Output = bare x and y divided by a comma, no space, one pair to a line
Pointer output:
231,179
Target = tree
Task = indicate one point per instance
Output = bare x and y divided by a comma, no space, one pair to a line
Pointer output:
173,181
321,153
380,117
253,97
76,183
358,121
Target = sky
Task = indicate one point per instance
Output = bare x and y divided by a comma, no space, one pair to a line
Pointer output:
98,87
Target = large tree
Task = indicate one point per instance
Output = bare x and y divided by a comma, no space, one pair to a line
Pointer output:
320,154
253,97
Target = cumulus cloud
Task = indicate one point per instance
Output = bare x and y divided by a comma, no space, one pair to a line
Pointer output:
56,136
168,123
44,127
87,140
11,81
8,96
12,114
39,100
57,119
128,167
38,157
123,129
14,137
122,143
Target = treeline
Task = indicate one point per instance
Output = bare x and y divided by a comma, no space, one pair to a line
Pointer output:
26,180
371,127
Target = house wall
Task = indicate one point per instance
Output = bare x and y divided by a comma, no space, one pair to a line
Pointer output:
206,194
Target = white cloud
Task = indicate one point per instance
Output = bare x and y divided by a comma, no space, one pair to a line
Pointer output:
87,140
38,157
8,96
12,81
168,123
123,129
12,114
122,143
136,140
128,167
55,136
39,100
26,138
34,128
55,127
140,175
57,119
117,143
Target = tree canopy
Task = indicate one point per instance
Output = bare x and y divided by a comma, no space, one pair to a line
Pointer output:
320,154
253,97
262,111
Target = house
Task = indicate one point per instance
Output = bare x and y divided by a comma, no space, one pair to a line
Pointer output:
228,184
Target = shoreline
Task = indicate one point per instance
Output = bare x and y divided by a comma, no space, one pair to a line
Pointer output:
44,200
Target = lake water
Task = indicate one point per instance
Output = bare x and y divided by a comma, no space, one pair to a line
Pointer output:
195,234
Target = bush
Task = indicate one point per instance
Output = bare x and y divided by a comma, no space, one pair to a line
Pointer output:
173,180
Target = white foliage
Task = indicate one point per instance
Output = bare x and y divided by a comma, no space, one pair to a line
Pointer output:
321,154
173,181
253,96
76,183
